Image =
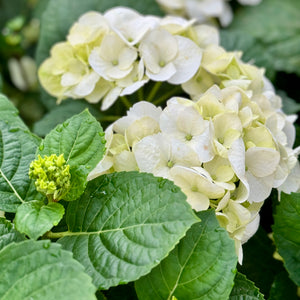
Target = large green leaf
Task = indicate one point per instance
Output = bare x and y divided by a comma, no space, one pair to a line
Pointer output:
8,234
9,114
80,139
34,218
17,150
202,266
61,14
124,225
42,270
244,289
275,24
287,233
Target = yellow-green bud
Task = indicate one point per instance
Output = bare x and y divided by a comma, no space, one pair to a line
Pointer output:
52,176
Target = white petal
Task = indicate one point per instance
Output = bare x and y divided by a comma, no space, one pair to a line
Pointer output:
187,61
260,188
110,98
104,165
262,162
87,84
163,74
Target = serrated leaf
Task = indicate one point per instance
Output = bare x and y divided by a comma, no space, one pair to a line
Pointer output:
287,233
275,24
8,234
42,270
34,218
125,224
17,150
244,289
258,263
9,113
202,266
283,288
60,114
80,139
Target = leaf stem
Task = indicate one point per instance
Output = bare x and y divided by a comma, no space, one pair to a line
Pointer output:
11,186
167,95
57,235
154,91
125,101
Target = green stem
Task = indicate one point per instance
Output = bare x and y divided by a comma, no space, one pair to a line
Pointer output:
125,101
167,95
154,91
141,93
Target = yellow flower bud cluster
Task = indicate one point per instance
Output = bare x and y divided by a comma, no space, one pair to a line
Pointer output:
52,176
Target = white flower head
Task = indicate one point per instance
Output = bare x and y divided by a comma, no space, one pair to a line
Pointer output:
113,59
169,58
130,25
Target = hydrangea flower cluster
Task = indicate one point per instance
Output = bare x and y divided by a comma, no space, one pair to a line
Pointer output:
114,54
203,10
226,145
52,176
225,150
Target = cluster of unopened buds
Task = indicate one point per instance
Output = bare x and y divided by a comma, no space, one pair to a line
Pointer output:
226,144
51,175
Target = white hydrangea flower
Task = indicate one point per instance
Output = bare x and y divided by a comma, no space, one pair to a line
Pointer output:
169,58
113,59
130,25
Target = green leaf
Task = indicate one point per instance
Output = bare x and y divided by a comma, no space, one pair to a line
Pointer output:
258,263
17,150
60,15
124,225
60,114
275,25
78,185
202,266
9,114
80,139
34,218
42,270
287,233
283,288
244,289
8,234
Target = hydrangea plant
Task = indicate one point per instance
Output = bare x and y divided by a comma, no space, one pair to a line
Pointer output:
164,202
